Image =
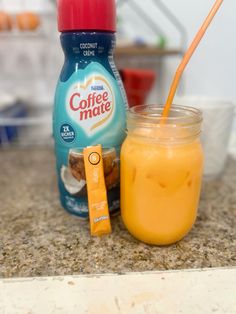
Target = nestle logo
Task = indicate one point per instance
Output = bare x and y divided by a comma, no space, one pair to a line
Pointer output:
97,87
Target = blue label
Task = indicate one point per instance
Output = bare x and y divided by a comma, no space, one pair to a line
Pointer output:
90,109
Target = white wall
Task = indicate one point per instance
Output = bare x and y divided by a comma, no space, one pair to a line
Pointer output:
15,6
212,71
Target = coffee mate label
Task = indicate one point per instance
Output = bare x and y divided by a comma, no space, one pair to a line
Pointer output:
91,103
90,109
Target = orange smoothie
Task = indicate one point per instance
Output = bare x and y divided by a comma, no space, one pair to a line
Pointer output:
160,183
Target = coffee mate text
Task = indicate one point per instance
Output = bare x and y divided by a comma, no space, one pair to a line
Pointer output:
94,105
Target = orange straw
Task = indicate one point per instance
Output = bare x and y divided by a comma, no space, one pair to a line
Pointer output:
188,56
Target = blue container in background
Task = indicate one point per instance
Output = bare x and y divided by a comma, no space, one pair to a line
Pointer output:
10,109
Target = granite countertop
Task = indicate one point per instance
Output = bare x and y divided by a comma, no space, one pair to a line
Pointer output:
38,238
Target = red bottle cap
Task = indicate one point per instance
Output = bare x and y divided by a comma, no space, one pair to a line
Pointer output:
85,15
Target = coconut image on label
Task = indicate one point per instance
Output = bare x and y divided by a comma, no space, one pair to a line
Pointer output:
73,186
74,178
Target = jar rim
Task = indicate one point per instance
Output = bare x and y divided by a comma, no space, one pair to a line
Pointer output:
151,113
181,126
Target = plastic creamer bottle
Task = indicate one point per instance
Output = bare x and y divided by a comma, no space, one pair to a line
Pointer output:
90,103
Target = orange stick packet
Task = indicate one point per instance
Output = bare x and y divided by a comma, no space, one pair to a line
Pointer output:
97,195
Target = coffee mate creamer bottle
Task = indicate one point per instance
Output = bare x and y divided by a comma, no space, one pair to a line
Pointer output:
90,103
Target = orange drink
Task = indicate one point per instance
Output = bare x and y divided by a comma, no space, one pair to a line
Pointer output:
161,172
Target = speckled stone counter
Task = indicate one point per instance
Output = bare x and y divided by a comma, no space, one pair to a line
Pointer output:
38,238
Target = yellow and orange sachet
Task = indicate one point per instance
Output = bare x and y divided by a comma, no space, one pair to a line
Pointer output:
97,195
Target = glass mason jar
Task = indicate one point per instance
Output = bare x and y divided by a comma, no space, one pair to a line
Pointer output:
161,173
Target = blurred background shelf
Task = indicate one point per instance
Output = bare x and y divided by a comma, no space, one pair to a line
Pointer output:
135,51
152,36
148,58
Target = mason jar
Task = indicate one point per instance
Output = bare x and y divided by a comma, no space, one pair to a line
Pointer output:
161,173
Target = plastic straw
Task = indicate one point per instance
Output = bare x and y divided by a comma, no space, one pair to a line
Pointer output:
188,56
